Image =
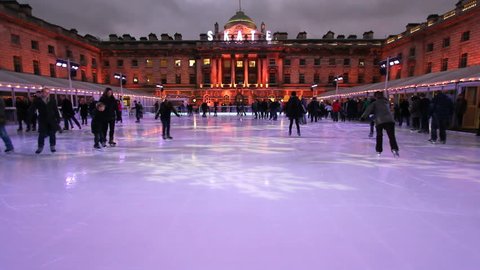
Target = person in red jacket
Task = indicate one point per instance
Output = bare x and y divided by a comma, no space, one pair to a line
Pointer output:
336,107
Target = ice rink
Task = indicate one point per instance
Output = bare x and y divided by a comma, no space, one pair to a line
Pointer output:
227,194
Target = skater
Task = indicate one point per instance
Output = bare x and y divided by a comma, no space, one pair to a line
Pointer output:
294,112
98,123
138,110
383,120
204,109
68,114
313,110
157,108
111,109
21,107
3,132
460,109
119,111
442,111
215,109
83,109
424,108
166,109
48,119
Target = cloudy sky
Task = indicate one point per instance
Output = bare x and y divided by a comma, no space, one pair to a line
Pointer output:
192,17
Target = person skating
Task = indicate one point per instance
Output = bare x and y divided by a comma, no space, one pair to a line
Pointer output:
294,111
166,109
138,111
383,120
441,112
3,132
98,123
48,119
21,107
204,109
83,109
424,108
68,114
119,111
110,113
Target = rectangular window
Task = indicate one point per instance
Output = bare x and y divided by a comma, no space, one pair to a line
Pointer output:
272,78
412,52
227,64
346,79
272,62
178,63
288,62
178,79
15,39
430,47
375,79
84,76
317,61
361,78
399,74
252,64
331,79
206,75
69,54
206,62
17,64
286,79
346,62
51,49
361,62
94,62
303,62
106,63
120,63
444,64
191,62
135,79
239,64
163,78
465,36
94,77
149,63
148,78
36,67
463,61
134,63
429,68
163,63
301,78
316,78
193,79
53,72
83,60
446,42
332,62
35,45
107,79
411,71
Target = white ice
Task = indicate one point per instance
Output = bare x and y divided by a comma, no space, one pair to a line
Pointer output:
227,194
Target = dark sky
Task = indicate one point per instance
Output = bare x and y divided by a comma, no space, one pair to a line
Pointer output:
192,17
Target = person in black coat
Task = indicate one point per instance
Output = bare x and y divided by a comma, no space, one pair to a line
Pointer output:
68,114
21,106
424,108
83,108
404,112
111,109
314,109
441,112
166,109
98,124
48,119
294,111
3,132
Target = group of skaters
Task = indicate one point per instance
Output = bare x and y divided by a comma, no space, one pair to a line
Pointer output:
105,113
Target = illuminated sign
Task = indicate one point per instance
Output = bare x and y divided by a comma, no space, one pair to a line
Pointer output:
239,36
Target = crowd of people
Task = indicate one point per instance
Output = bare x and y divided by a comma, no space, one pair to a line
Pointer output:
420,113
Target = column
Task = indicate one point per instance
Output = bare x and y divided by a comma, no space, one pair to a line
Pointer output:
265,71
220,71
245,71
213,72
233,68
259,71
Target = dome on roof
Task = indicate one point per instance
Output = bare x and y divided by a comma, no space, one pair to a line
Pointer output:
240,18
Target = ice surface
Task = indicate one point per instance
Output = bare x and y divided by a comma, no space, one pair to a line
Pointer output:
240,195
